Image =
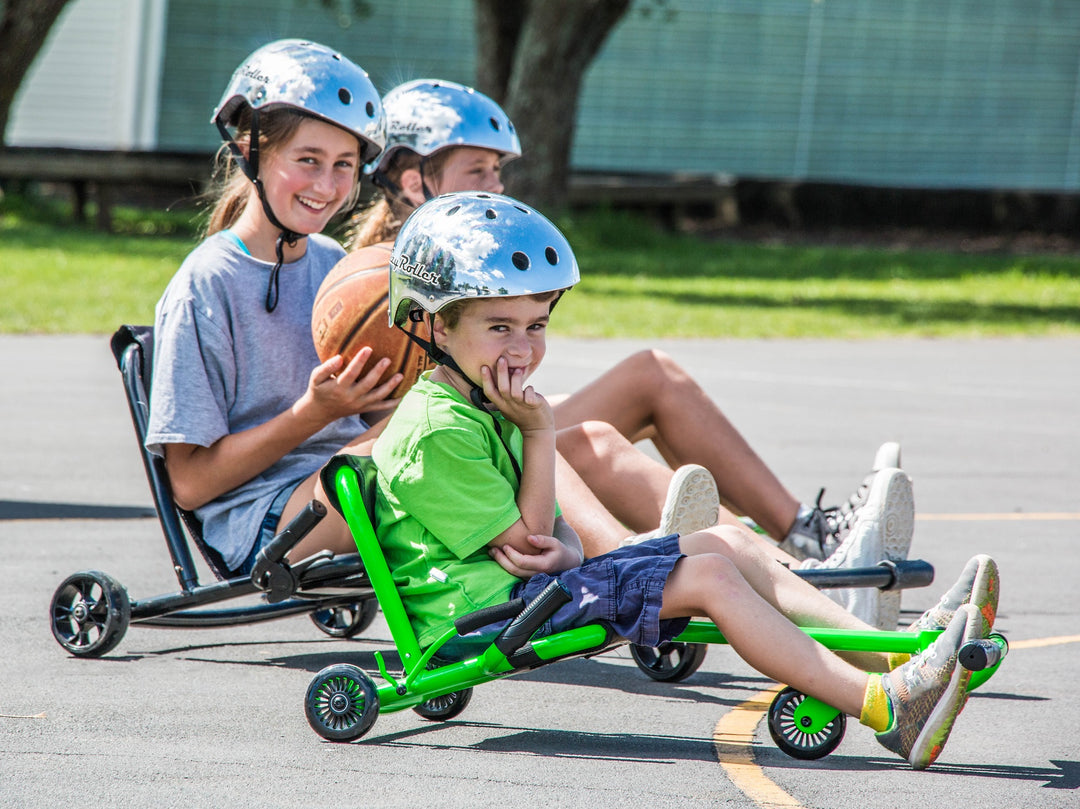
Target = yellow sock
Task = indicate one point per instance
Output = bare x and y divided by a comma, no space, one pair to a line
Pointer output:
876,710
897,659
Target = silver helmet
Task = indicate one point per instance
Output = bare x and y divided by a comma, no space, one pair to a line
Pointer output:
427,115
475,245
313,79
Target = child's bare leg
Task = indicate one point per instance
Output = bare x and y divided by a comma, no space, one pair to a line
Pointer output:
648,395
631,484
595,526
332,532
801,603
712,585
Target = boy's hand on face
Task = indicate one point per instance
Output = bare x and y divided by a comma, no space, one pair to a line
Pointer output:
519,403
551,557
335,391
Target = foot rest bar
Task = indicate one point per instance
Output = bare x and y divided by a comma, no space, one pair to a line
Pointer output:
884,575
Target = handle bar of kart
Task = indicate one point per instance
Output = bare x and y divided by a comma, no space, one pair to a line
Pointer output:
269,573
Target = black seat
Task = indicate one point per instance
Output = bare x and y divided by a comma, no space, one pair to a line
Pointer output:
133,348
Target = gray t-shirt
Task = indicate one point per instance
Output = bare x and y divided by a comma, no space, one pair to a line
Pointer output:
223,364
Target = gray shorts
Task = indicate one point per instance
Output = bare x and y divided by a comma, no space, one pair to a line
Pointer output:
623,589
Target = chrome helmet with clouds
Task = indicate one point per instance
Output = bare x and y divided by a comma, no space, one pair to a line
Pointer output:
427,115
475,245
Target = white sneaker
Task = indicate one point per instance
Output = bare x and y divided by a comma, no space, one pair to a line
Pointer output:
881,529
692,504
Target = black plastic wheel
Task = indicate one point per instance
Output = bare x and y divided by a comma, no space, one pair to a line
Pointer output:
347,620
342,703
90,613
791,738
669,662
445,707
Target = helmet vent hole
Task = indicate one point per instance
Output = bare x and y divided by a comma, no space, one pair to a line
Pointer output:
369,108
490,214
494,124
453,210
552,256
520,260
344,96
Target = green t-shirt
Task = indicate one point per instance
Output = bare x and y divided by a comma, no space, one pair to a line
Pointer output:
446,488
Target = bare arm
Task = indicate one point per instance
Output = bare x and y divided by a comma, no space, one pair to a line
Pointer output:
548,544
201,474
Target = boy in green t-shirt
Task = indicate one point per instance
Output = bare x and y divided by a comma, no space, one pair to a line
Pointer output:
466,508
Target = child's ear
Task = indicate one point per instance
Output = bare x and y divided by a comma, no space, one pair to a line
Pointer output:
412,186
438,331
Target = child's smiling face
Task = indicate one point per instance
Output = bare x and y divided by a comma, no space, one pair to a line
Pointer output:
309,178
512,328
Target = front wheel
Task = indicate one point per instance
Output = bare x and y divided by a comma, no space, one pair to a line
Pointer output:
90,613
790,736
671,661
342,703
439,709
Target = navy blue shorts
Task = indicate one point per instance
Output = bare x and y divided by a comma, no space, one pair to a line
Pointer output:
623,589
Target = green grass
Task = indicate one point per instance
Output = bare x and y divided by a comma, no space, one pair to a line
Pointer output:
637,282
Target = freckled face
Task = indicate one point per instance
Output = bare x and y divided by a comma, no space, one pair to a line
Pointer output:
310,177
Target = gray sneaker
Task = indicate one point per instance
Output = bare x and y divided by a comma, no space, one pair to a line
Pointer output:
928,692
692,504
820,531
977,585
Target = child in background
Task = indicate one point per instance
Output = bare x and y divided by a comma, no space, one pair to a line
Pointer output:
467,514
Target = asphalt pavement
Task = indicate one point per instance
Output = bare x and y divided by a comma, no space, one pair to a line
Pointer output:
990,431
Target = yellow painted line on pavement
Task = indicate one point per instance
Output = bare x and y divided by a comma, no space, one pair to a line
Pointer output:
1008,515
1038,643
733,739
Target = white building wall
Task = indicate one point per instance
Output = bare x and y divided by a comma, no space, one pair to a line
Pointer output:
95,82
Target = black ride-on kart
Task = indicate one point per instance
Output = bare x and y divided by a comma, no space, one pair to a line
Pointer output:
91,611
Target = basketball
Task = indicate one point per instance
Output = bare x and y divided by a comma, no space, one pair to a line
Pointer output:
351,311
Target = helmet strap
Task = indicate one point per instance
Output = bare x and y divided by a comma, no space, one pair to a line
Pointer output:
428,193
476,393
249,164
440,357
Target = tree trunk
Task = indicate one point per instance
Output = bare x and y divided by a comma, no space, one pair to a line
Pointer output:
23,29
531,57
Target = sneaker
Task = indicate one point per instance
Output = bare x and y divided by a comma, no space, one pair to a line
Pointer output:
818,531
887,457
977,585
881,529
927,693
692,504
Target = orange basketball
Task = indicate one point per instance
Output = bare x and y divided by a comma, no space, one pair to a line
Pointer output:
352,311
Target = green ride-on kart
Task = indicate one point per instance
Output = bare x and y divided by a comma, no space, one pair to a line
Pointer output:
343,701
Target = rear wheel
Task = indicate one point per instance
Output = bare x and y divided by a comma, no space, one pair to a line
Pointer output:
669,662
346,620
90,613
445,707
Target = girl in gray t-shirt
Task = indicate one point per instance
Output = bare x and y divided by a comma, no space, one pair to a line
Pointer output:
242,410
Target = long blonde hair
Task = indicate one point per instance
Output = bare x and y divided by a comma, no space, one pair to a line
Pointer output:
230,189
